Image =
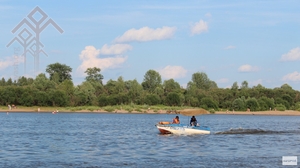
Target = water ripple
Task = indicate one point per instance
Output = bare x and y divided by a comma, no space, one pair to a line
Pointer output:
131,140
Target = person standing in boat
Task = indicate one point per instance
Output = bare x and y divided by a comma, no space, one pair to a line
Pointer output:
176,120
193,121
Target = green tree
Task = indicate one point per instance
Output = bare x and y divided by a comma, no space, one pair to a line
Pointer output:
279,100
244,85
55,78
103,100
120,85
208,103
266,103
58,98
84,94
67,86
134,90
111,87
201,81
2,82
7,95
286,86
259,86
22,81
26,98
93,74
9,82
62,70
252,104
173,99
171,86
235,86
297,106
159,92
99,88
30,81
213,85
223,97
42,83
239,104
152,80
41,98
194,102
152,99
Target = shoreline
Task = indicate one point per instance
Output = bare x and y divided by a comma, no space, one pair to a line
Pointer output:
269,113
22,110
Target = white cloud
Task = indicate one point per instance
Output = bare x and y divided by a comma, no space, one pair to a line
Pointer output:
89,59
229,47
199,27
223,80
115,49
247,68
292,55
9,61
172,72
146,34
295,76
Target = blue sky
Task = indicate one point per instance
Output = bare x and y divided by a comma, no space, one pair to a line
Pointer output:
231,41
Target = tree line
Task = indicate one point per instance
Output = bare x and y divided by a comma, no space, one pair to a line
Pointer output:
58,90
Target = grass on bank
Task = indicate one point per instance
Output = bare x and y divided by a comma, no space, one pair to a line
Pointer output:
116,108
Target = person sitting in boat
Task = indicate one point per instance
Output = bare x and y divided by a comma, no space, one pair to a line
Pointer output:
176,120
193,121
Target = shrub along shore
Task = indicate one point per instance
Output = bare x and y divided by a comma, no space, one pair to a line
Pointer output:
138,110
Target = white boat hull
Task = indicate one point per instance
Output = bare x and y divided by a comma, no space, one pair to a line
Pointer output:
182,129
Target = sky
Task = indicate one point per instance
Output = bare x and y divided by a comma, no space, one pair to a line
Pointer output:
231,41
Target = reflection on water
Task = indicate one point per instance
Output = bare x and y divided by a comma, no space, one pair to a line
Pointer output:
132,140
256,131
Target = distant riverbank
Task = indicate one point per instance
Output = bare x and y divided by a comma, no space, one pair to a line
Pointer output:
147,111
286,112
83,111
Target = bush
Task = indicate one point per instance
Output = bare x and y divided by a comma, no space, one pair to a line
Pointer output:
102,101
280,107
173,99
129,109
109,108
92,108
152,99
238,104
297,106
208,103
252,104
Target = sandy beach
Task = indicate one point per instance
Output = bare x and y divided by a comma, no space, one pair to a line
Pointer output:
41,110
282,113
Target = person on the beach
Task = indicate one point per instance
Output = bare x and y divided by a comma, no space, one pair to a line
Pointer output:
193,121
176,120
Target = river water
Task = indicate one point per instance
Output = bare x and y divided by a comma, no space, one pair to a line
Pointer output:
132,140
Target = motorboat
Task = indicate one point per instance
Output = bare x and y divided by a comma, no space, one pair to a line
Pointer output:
166,127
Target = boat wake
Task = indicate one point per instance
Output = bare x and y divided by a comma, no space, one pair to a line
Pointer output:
255,131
